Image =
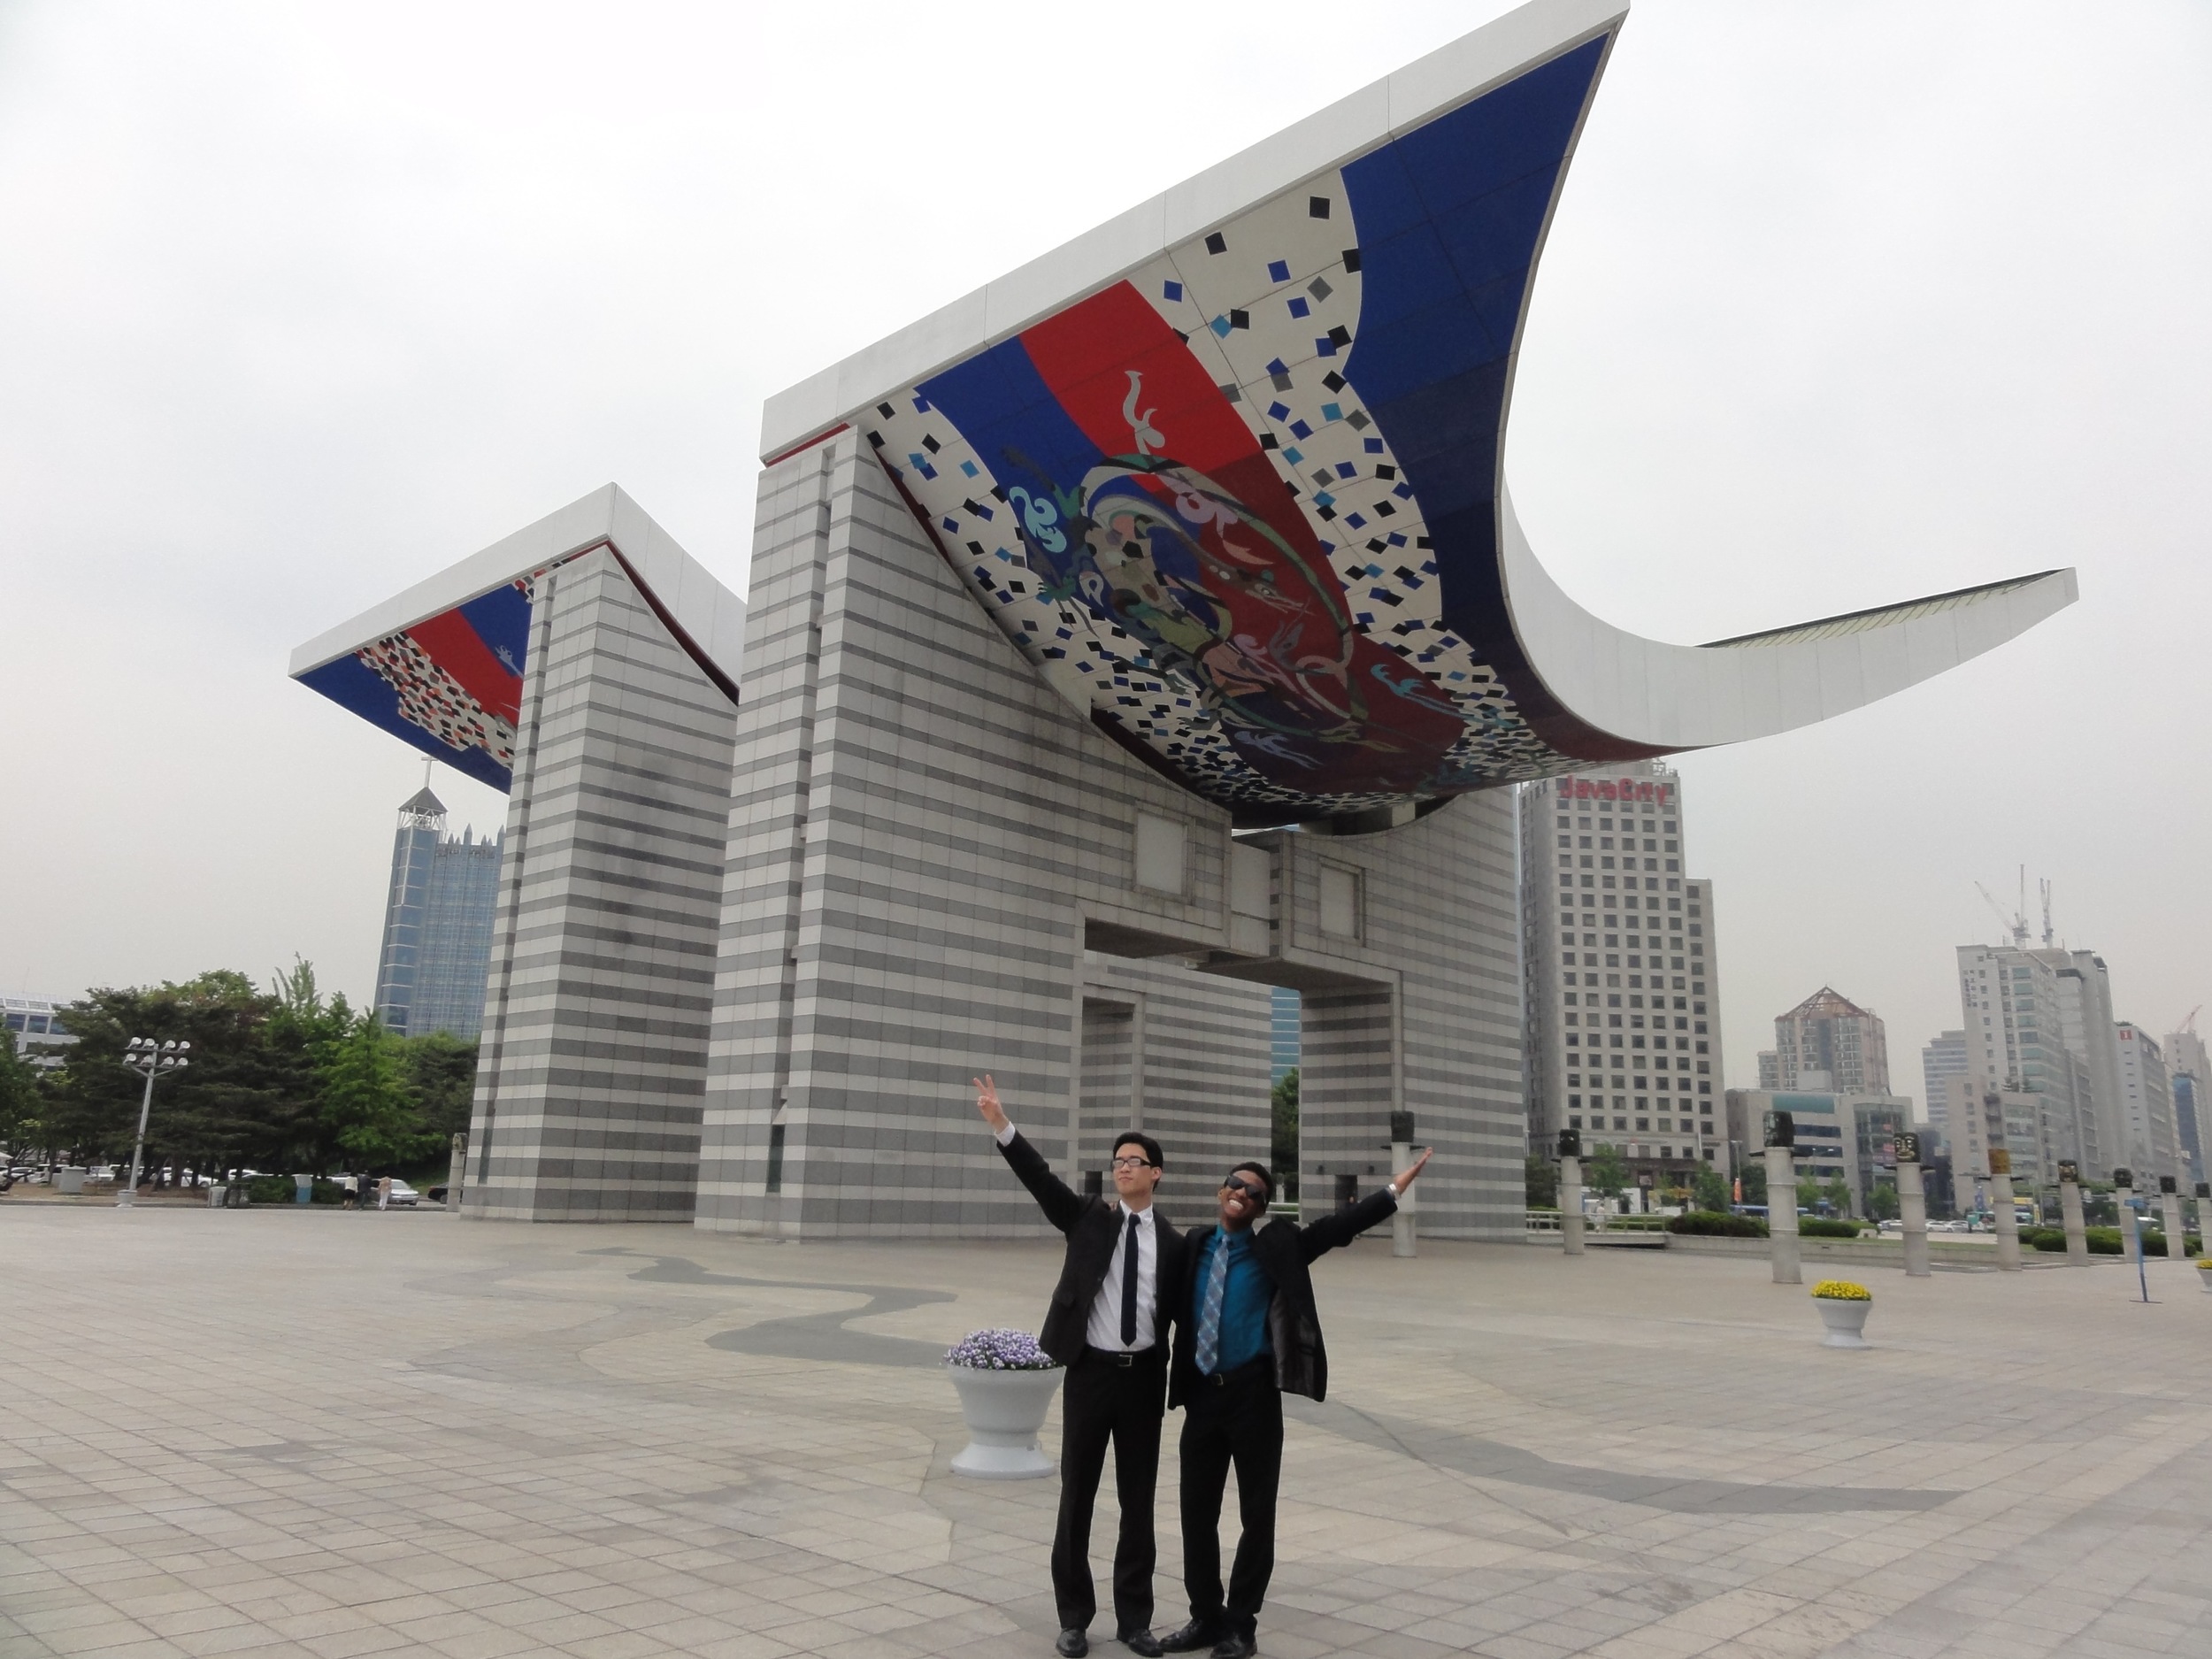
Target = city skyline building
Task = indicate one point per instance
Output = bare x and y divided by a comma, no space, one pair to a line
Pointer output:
1829,1034
2039,1022
2147,1105
1283,1015
1621,973
2189,1071
1943,1058
438,917
1848,1135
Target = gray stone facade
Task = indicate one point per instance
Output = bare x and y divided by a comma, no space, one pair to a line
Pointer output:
595,1020
926,841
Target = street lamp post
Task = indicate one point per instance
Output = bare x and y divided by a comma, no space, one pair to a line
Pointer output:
155,1060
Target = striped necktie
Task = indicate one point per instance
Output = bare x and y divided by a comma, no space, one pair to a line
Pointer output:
1210,1305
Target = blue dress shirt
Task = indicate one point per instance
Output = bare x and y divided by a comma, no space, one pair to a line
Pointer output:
1245,1301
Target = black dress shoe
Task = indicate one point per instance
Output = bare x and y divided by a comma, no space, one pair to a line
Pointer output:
1234,1647
1143,1643
1191,1638
1073,1644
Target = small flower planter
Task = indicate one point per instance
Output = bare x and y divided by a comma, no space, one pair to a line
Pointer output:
1006,1383
1843,1309
2204,1277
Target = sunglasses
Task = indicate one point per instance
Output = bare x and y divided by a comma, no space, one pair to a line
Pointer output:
1237,1183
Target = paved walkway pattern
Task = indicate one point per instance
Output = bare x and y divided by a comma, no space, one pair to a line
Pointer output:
316,1432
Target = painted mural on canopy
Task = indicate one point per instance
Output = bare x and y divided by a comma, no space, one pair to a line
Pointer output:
1245,501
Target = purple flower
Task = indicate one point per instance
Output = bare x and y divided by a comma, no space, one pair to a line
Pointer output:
999,1350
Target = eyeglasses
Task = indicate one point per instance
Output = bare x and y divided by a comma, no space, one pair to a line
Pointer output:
1237,1184
1130,1163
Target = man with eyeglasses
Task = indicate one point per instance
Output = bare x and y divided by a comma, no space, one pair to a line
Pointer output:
1107,1326
1246,1333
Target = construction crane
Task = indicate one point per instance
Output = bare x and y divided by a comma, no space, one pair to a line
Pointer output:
2016,923
2190,1023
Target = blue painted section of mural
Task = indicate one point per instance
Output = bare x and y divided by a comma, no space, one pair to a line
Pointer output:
1450,218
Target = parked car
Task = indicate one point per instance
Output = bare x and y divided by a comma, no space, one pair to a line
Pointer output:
437,1194
402,1194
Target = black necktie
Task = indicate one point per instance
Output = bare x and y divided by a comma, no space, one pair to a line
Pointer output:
1129,1287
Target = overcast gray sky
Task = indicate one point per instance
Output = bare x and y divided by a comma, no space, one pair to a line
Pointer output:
1845,304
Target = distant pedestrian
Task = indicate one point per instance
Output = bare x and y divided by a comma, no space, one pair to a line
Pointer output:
384,1192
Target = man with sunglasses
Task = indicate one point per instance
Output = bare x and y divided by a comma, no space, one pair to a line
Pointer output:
1108,1326
1246,1333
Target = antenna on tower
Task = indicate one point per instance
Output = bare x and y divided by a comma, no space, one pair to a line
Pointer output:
427,762
2046,912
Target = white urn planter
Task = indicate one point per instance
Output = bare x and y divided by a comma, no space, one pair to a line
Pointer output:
1003,1410
1845,1322
2204,1280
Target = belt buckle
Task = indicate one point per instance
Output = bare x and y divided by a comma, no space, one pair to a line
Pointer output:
1218,1379
1124,1360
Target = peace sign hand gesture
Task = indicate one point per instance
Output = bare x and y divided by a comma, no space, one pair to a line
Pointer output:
987,1102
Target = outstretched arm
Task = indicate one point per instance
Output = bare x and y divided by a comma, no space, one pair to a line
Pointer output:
1061,1206
1334,1231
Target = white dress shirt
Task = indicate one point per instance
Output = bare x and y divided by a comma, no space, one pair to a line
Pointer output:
1103,1330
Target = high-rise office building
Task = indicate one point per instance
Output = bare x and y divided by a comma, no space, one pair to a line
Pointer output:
437,924
1284,1012
2033,1022
1621,973
1944,1058
2147,1105
1769,1070
2189,1071
1829,1034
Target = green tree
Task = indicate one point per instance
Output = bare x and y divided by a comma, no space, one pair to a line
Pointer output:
1754,1178
229,1108
1607,1172
1282,1141
21,1106
1881,1203
366,1104
1540,1182
441,1071
1708,1189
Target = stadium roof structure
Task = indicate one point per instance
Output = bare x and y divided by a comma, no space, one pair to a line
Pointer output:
1227,469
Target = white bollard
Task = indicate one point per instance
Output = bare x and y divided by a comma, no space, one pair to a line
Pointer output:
2177,1234
2004,1210
1570,1202
1781,1244
1912,1205
2069,1215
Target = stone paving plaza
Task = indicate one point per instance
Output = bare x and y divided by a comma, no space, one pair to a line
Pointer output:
319,1432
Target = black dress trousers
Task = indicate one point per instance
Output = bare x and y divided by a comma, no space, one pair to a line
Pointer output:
1237,1419
1104,1401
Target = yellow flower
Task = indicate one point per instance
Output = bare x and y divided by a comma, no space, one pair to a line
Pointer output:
1842,1290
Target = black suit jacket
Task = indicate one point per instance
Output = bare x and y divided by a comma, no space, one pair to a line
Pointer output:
1286,1250
1093,1228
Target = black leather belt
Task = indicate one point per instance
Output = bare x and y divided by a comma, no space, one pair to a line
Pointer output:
1251,1368
1124,1361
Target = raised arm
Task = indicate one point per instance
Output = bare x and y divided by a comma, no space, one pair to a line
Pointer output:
1061,1205
1340,1227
